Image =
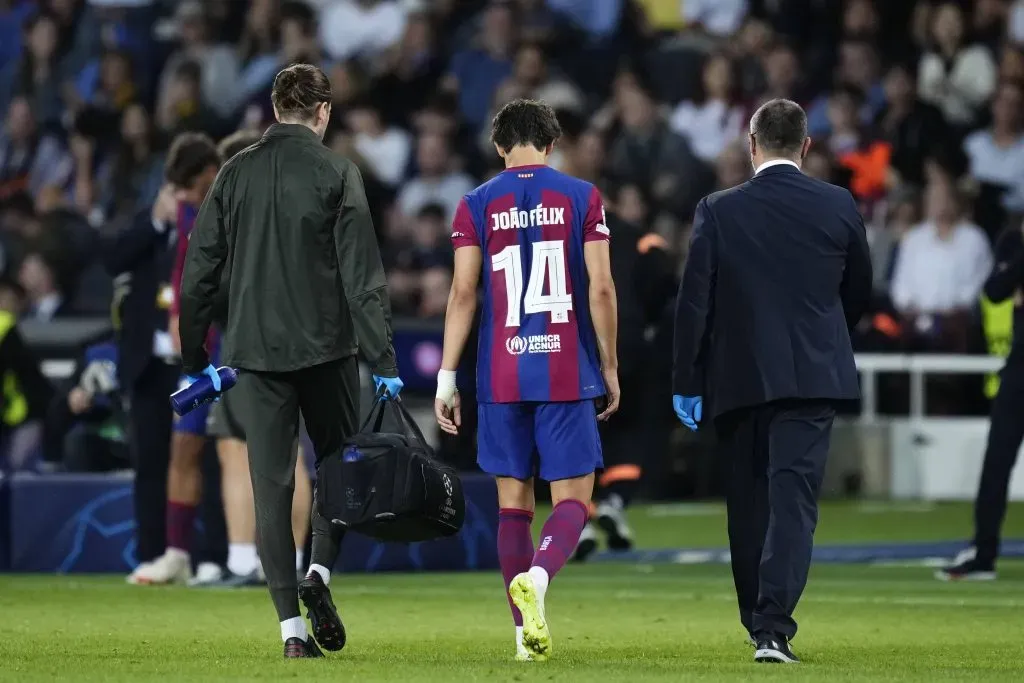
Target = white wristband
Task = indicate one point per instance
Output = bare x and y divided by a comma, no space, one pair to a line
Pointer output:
446,386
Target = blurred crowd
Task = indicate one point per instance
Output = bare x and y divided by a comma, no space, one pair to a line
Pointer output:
916,106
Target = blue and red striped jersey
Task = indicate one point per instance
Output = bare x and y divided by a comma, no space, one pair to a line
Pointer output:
537,340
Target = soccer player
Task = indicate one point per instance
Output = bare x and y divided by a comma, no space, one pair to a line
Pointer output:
192,165
546,351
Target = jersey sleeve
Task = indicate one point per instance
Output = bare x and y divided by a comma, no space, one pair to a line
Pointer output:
595,227
464,233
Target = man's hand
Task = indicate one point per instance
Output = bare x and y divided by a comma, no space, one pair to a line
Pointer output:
392,385
612,392
447,407
449,416
165,208
79,400
688,409
208,371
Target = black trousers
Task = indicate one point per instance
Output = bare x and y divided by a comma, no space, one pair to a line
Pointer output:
149,434
1005,434
777,455
269,404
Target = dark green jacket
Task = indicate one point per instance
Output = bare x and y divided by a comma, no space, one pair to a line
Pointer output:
288,220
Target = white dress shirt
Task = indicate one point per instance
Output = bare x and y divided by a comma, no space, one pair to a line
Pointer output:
776,162
708,127
936,274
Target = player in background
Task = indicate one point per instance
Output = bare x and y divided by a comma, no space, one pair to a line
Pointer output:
645,285
546,351
192,165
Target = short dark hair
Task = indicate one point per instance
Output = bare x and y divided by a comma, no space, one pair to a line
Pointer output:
298,90
779,126
236,142
432,211
525,122
189,156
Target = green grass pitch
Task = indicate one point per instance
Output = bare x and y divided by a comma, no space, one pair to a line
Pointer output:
609,622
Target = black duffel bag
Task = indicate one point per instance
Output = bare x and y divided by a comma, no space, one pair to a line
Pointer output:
390,486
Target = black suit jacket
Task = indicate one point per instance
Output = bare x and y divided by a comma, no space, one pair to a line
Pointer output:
141,257
778,272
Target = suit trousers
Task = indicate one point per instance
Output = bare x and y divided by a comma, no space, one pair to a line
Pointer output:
776,453
269,405
149,433
1005,433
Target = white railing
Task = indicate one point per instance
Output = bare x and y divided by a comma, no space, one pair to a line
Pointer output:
917,366
870,366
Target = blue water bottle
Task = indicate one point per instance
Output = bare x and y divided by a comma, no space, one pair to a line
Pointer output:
184,401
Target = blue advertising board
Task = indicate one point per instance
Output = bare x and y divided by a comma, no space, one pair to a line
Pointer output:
84,523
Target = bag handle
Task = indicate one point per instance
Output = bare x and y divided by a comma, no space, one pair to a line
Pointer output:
376,417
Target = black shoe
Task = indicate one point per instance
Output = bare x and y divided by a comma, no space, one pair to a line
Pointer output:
297,648
772,648
611,517
323,616
587,545
967,567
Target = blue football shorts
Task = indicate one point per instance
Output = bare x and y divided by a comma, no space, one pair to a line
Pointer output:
551,440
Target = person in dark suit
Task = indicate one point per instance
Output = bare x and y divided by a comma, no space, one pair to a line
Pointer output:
778,271
140,260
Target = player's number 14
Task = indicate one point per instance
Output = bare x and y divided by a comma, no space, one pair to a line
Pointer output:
548,264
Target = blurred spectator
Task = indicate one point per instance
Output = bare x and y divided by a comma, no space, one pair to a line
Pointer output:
84,427
476,73
598,20
885,239
912,127
1011,64
39,75
989,22
584,158
181,107
437,283
942,263
648,153
131,178
955,75
819,164
24,393
38,276
1015,28
419,246
436,182
782,75
30,159
360,28
720,18
413,69
217,65
532,78
860,20
713,118
855,148
386,149
996,154
858,69
732,166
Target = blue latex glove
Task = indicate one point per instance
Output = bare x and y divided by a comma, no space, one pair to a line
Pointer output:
688,410
392,385
210,372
